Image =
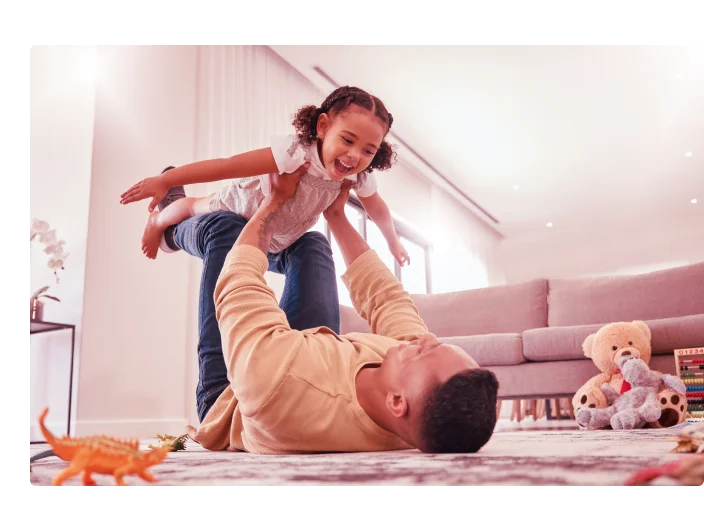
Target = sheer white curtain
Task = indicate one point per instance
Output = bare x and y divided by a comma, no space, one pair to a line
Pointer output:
245,95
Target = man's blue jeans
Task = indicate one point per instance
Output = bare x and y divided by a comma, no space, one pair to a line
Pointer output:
309,297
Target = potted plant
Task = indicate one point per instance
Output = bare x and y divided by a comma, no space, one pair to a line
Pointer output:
55,249
36,306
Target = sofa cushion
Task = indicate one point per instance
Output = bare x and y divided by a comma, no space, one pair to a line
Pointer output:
487,350
667,293
351,322
493,310
490,349
565,342
557,378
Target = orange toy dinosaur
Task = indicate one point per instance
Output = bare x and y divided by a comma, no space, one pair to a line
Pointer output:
103,455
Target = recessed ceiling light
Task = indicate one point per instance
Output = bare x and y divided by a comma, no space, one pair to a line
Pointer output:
549,224
680,75
688,154
516,187
694,200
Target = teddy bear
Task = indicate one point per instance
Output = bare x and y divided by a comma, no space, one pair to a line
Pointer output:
635,407
605,347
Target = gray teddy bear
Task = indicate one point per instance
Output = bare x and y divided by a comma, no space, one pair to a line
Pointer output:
636,407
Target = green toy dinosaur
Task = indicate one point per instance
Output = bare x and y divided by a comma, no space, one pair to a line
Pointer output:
174,443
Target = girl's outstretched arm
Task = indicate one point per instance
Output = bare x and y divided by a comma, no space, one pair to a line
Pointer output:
379,212
252,163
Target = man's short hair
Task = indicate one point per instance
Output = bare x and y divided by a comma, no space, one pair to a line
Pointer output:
460,415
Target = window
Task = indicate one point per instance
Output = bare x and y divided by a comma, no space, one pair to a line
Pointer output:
378,243
414,277
355,218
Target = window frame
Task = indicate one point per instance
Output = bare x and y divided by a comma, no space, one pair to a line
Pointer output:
402,230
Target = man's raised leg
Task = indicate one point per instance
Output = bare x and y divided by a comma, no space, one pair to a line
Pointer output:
310,294
209,237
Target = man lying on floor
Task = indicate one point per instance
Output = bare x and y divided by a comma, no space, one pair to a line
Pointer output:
315,391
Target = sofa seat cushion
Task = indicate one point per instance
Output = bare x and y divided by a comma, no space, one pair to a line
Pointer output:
490,349
557,378
565,342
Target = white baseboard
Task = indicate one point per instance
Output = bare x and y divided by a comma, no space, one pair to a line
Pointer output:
143,428
57,428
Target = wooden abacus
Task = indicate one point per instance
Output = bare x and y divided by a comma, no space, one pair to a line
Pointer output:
690,369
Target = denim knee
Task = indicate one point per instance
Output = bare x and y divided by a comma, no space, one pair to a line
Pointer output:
313,243
221,227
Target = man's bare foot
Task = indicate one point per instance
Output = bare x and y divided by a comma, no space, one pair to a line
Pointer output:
152,235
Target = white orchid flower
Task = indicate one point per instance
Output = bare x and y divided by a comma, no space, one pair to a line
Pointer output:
55,249
36,227
48,237
56,264
40,226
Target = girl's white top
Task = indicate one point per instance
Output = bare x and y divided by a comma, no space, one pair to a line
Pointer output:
315,192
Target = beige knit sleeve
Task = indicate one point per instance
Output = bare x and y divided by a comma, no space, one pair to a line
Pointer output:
379,298
258,344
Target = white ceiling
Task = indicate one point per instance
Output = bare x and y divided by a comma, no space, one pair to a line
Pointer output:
591,135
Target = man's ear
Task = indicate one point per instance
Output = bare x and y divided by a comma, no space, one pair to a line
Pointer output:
397,404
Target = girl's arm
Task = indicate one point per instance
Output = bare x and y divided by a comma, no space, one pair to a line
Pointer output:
251,163
379,212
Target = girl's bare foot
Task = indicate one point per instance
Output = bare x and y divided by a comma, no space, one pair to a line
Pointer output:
152,235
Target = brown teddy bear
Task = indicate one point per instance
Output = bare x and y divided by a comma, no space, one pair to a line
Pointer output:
605,348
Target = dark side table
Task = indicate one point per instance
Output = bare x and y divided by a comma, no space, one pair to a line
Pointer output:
41,327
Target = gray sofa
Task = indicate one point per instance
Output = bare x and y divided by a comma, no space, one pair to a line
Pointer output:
530,334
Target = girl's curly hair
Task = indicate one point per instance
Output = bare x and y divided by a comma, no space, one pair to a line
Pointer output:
306,120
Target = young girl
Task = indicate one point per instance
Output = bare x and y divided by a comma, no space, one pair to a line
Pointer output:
343,139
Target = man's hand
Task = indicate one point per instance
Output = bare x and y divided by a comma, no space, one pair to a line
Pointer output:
262,226
154,187
283,186
337,208
351,243
399,252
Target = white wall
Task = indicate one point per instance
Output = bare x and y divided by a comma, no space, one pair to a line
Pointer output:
567,253
136,312
62,99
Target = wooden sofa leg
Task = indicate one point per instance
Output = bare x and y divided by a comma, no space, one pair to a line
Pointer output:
517,410
541,409
570,407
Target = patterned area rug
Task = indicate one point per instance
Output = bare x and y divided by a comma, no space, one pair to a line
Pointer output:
533,454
